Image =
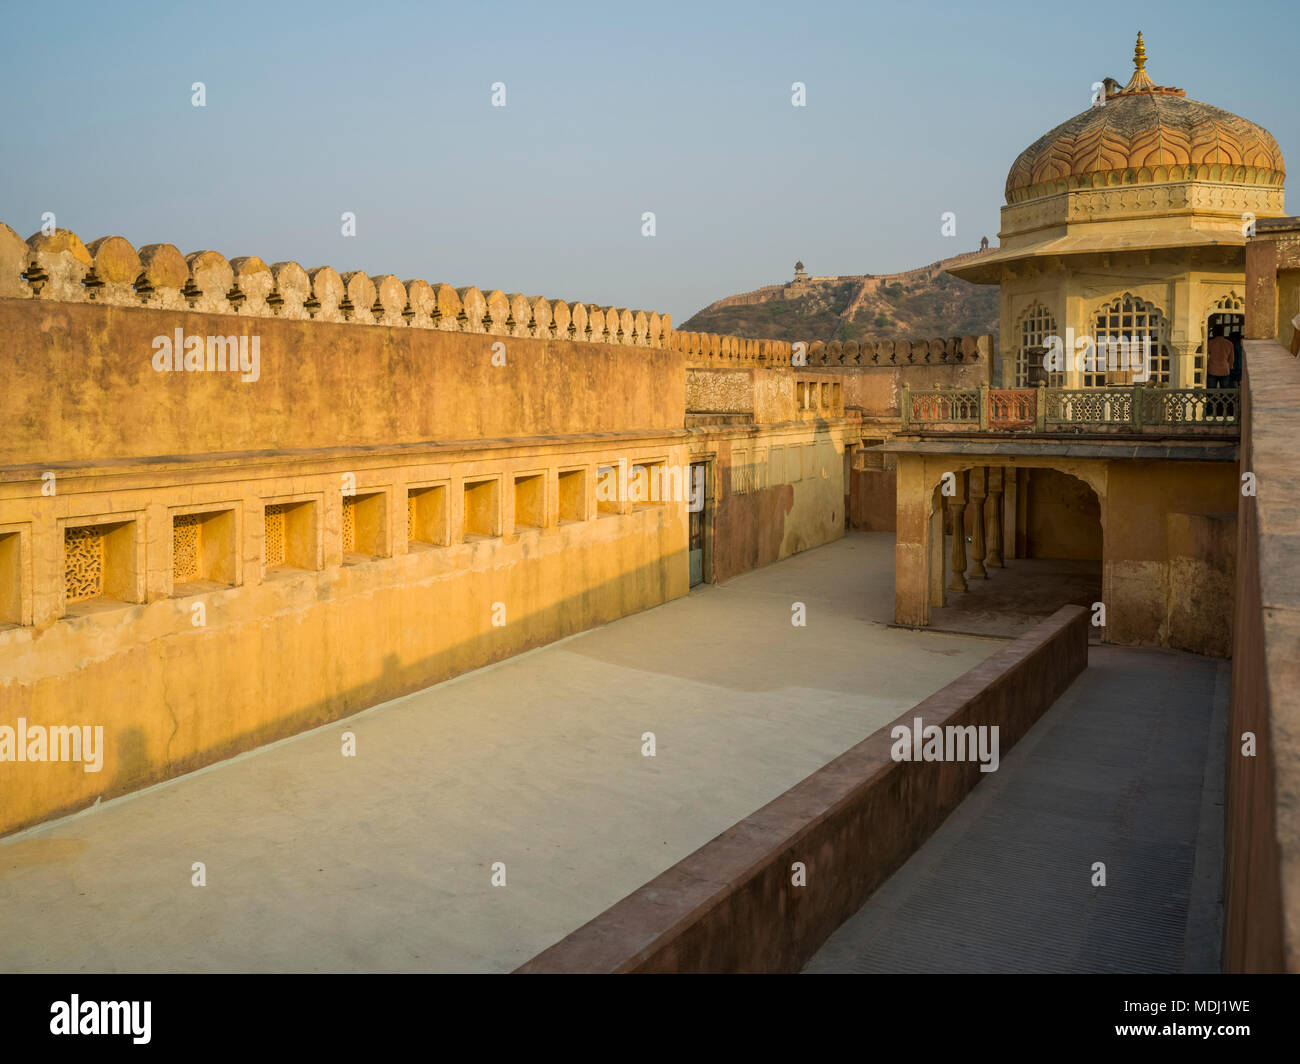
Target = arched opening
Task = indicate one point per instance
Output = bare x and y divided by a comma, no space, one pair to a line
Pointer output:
1031,541
1226,318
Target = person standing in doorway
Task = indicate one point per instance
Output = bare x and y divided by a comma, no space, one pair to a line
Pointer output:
1238,359
1220,361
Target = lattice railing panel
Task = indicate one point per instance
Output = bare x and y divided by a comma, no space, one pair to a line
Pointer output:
1107,410
948,406
1090,406
1012,407
1182,406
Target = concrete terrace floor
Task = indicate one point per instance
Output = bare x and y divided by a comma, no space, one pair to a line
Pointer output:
382,862
1127,769
1016,596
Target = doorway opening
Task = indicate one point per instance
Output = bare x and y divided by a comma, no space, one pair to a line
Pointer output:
699,514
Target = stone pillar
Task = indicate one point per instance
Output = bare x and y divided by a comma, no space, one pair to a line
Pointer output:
957,511
1182,364
911,542
936,550
1022,513
1010,487
993,517
977,496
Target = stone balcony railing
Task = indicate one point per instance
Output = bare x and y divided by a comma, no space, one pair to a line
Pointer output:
1072,411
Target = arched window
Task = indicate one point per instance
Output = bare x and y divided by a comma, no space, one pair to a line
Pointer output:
1036,325
1131,321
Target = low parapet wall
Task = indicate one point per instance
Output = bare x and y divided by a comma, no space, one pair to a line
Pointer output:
1261,888
732,905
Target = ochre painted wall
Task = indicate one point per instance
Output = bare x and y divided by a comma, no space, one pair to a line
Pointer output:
284,651
80,386
1202,577
784,504
1138,585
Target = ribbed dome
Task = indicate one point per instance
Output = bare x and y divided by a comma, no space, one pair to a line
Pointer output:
1145,134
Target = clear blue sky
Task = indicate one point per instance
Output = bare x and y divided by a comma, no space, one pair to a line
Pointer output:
683,109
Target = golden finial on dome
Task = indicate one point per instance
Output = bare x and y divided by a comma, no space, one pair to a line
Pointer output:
1140,81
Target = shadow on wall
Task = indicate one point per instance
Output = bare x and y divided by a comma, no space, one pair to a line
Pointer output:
127,749
1062,517
766,520
873,489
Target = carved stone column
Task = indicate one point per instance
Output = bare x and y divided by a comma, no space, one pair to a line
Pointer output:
957,511
977,496
993,517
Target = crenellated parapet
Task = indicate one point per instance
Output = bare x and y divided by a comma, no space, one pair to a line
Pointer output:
58,267
712,349
954,350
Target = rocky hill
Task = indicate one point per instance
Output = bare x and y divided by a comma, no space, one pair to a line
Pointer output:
917,304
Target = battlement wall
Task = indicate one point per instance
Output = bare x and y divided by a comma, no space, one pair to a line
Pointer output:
109,271
712,349
99,362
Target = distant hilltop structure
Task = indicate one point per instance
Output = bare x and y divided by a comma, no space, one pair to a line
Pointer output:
868,283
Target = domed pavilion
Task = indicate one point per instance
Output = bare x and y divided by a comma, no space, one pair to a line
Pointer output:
1130,219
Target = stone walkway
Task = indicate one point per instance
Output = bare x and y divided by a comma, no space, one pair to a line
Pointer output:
319,863
1126,769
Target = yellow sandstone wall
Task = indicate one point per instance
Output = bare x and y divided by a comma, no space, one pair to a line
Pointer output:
85,387
781,491
1154,593
285,650
392,390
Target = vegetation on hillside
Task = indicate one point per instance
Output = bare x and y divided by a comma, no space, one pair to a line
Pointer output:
915,306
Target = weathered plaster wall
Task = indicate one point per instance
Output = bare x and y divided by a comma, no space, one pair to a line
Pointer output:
1138,583
873,499
1063,518
719,391
878,390
1202,576
80,385
781,491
